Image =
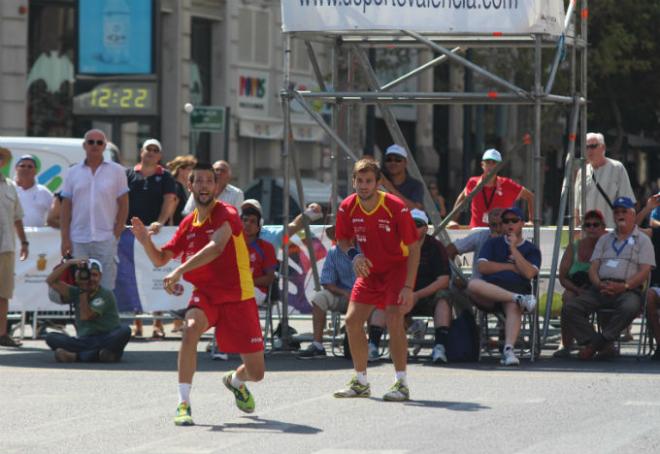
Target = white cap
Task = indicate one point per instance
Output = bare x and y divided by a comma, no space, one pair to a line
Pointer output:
93,263
254,203
492,155
396,149
152,142
419,215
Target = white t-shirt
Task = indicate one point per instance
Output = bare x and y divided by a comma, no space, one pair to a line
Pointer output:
36,202
231,195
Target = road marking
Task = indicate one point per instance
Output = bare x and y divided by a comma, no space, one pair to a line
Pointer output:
639,403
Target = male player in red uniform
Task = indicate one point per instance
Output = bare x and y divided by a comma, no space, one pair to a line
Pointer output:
386,267
215,260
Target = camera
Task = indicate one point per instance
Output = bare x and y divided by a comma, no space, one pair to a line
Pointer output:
82,269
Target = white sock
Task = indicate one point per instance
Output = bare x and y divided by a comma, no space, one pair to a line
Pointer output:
517,298
235,381
401,376
184,392
362,378
318,345
508,347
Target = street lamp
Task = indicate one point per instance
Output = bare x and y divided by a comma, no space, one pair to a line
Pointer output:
188,107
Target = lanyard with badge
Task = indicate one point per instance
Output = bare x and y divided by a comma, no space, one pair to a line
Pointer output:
488,202
613,263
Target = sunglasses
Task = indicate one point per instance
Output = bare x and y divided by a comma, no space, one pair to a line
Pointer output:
591,225
95,142
394,159
510,220
593,145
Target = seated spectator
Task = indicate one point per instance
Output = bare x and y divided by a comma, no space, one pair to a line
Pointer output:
262,254
100,336
397,181
507,264
620,266
337,279
574,270
429,301
438,199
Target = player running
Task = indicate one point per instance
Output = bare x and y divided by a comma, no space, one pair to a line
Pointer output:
386,269
216,261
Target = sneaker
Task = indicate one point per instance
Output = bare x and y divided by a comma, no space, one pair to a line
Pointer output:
374,354
64,356
107,356
8,341
527,302
509,358
183,415
354,389
562,352
312,351
397,393
220,356
439,355
244,399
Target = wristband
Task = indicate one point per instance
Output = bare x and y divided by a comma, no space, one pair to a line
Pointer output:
352,253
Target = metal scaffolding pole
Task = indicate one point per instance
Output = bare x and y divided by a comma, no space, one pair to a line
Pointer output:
428,65
334,124
444,98
584,16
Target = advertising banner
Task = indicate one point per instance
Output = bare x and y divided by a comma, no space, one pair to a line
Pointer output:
482,17
115,36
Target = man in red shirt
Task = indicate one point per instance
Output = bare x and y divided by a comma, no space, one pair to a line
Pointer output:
385,268
262,253
499,192
215,260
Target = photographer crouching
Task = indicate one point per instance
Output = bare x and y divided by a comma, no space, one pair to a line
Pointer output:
100,336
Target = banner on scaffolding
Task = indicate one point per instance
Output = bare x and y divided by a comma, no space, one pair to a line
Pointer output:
481,17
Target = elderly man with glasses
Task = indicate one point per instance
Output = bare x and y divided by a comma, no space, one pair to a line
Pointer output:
94,207
396,180
620,266
606,180
35,198
507,263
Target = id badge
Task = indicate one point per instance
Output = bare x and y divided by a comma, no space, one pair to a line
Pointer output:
484,218
612,263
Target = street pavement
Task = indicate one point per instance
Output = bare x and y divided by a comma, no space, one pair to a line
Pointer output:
543,407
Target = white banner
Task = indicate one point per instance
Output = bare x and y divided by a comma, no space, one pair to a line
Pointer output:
482,17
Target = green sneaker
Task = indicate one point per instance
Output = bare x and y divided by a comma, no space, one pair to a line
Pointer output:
183,415
354,389
397,393
244,399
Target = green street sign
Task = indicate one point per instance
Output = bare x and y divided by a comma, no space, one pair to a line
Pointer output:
208,118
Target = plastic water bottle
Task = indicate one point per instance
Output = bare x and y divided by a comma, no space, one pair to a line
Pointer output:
116,32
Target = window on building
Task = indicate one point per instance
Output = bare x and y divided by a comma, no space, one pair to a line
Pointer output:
254,36
299,57
201,44
51,31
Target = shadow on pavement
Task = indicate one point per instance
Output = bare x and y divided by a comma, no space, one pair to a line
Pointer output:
445,405
266,425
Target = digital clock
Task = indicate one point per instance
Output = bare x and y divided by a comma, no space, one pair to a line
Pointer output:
118,98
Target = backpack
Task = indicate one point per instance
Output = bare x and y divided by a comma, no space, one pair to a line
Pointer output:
463,339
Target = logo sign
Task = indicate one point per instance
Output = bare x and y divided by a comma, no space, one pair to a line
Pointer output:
253,93
208,118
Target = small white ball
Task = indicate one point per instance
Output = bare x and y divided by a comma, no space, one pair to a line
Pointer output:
188,107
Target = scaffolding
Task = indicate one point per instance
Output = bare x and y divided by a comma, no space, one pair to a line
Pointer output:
570,43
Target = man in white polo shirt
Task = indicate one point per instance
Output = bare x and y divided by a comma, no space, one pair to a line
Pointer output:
35,198
94,207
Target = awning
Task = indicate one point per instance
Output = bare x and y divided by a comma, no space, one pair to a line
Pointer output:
273,129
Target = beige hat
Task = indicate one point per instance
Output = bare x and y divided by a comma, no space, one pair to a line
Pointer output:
5,155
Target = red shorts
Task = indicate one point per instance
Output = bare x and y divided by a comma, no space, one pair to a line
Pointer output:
237,326
381,289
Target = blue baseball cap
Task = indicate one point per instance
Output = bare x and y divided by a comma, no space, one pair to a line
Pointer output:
397,150
623,202
492,155
514,210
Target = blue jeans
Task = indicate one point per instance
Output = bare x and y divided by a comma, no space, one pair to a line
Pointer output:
87,347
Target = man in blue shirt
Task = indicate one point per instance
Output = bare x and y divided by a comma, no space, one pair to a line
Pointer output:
507,263
397,181
337,279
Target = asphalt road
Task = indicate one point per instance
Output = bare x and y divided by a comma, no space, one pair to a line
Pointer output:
545,407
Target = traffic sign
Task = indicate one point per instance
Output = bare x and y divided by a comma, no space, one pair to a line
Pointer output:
208,118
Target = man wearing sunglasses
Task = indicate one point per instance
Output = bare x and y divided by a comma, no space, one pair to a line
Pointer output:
35,198
94,207
397,181
607,180
498,192
507,263
620,265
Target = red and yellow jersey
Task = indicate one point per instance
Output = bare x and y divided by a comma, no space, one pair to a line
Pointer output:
262,259
228,277
383,234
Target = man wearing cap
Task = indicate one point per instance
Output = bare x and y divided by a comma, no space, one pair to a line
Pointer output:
620,265
262,253
337,279
94,207
428,299
100,335
397,181
507,264
35,198
11,215
498,192
607,179
224,191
